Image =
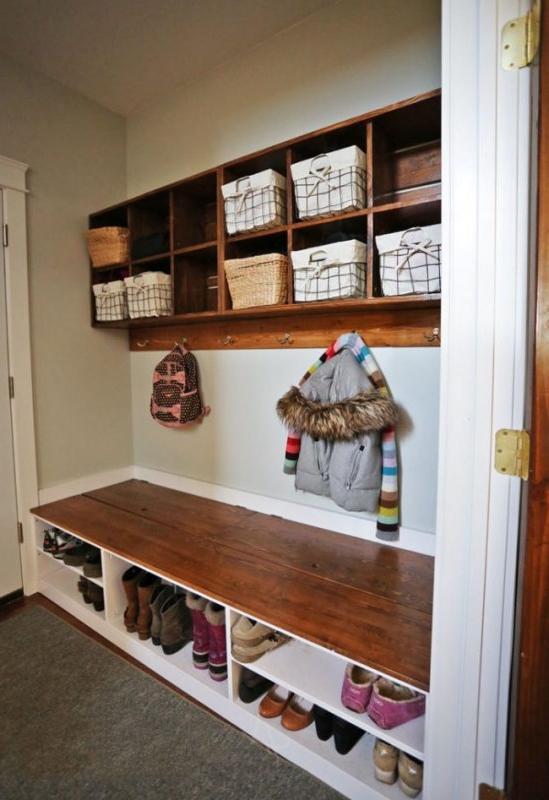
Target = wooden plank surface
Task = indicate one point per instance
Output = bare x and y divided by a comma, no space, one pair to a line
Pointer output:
367,601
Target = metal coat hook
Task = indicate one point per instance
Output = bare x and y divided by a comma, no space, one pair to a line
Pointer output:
143,343
286,339
228,340
434,336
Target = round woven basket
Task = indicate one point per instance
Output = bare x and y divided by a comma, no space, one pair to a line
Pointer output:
257,281
108,246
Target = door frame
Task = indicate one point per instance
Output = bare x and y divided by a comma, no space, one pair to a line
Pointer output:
14,189
486,128
528,766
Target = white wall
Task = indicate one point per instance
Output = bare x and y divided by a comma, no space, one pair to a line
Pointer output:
76,153
241,444
353,56
346,59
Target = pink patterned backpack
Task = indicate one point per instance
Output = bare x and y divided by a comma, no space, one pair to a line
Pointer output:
175,399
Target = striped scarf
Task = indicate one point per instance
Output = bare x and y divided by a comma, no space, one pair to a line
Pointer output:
387,516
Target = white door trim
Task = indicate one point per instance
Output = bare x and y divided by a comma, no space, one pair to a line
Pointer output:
13,183
486,137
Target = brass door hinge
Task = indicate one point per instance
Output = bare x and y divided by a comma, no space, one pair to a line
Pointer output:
520,39
486,792
512,455
11,387
20,532
5,235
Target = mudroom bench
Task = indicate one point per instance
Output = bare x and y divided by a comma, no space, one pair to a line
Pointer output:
339,598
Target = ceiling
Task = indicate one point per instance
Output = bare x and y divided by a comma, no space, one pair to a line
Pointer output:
125,53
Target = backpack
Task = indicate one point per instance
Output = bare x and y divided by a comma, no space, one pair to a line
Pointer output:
175,399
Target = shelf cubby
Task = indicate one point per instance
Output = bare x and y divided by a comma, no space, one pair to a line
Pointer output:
406,150
191,273
194,211
150,216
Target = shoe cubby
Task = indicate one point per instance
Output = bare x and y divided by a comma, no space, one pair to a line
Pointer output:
177,668
48,557
60,583
353,773
317,675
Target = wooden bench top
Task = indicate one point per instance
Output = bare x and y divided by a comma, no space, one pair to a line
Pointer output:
367,601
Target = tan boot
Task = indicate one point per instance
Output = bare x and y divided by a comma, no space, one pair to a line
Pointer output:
129,582
410,774
385,761
145,587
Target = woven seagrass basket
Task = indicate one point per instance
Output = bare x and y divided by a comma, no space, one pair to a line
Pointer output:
257,281
108,246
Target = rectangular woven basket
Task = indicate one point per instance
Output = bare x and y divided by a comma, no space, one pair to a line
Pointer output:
258,280
108,246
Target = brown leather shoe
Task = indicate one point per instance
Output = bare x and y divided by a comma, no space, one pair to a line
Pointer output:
129,582
274,702
145,587
298,714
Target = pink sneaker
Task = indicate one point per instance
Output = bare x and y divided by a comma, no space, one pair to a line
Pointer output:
217,659
392,704
357,688
201,631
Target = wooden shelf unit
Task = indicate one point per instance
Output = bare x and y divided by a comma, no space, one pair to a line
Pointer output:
402,146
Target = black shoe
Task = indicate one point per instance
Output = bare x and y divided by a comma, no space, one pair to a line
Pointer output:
324,723
92,563
75,554
345,735
252,686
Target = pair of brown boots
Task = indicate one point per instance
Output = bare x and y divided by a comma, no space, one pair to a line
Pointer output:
154,609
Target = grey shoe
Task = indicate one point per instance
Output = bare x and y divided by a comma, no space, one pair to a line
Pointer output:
159,597
176,624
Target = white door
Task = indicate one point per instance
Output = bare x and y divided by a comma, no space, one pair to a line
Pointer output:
10,561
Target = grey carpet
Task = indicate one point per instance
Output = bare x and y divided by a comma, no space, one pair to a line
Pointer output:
79,722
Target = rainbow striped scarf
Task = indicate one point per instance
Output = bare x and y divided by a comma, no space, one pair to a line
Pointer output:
387,516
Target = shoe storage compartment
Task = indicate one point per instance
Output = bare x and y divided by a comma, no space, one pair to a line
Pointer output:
177,668
317,675
59,583
245,561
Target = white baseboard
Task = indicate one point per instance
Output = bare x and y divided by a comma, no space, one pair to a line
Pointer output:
347,524
85,484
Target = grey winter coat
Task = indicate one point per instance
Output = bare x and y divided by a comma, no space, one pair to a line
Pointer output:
340,416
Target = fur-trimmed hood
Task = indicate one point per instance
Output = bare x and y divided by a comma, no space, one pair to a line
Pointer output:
340,421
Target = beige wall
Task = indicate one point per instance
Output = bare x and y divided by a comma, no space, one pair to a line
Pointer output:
353,56
76,153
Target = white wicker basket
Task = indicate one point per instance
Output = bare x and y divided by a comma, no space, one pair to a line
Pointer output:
110,301
409,261
330,183
255,202
149,295
334,271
